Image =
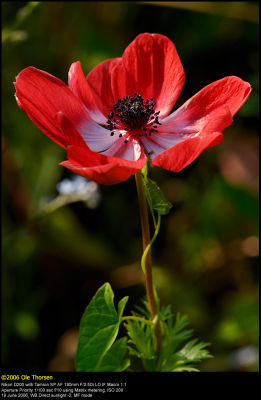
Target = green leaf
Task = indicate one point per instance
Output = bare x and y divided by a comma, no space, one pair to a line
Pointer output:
141,338
98,330
194,351
121,305
156,199
175,333
177,354
113,360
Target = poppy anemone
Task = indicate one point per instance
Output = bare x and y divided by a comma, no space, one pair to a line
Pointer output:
111,121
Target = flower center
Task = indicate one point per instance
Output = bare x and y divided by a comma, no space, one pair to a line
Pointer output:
134,116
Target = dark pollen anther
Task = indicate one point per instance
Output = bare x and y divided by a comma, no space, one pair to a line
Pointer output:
133,113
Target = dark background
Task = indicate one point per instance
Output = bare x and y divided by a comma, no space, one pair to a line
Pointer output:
206,255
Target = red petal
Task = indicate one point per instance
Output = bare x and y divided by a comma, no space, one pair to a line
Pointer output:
96,137
93,165
150,67
132,150
200,121
99,81
180,129
71,135
182,154
42,96
231,92
102,169
80,87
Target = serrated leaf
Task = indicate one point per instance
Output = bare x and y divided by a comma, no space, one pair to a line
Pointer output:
185,369
175,333
194,351
98,329
141,339
177,354
156,199
180,330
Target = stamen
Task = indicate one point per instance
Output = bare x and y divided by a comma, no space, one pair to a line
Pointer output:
133,114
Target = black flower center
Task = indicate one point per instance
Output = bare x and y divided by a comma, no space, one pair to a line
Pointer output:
133,115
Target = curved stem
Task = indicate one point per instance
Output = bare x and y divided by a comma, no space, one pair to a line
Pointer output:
147,258
143,258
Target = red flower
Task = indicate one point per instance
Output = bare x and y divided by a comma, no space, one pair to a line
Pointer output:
116,117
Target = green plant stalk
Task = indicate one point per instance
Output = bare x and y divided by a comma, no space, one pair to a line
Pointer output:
147,261
143,258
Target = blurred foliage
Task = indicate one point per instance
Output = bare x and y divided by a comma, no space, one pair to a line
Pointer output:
206,254
234,9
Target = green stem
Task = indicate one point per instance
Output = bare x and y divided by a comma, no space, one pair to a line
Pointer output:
157,227
146,260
